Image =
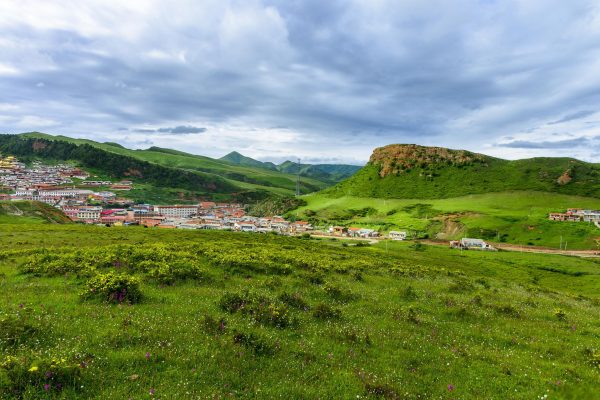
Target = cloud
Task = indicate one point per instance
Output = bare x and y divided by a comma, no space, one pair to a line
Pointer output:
177,130
574,116
558,144
182,130
310,78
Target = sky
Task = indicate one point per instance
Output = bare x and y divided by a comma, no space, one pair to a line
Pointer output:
326,81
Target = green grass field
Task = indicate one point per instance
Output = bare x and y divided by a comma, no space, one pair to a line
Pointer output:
514,217
225,315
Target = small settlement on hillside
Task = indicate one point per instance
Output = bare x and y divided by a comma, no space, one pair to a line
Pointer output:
70,190
577,215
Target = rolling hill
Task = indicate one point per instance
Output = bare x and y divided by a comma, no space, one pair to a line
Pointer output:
329,173
433,192
165,175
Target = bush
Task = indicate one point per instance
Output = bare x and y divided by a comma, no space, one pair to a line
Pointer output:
338,293
169,274
19,329
18,375
113,288
262,309
294,300
257,344
213,326
326,312
560,314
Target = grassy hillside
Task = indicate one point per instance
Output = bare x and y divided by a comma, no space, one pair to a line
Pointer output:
514,217
328,173
30,212
219,315
261,178
417,172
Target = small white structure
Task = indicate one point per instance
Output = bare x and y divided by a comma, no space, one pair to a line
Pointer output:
397,235
470,243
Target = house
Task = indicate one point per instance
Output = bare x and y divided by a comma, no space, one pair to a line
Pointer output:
397,235
353,231
338,230
470,243
368,233
245,227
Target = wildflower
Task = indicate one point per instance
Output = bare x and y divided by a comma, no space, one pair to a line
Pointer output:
33,369
151,391
21,305
46,387
450,387
148,355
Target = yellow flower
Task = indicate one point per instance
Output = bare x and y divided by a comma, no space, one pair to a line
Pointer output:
33,369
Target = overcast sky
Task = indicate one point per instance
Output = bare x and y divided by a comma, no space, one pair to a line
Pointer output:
323,80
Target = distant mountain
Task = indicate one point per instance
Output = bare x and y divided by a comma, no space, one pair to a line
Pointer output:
330,173
419,172
236,158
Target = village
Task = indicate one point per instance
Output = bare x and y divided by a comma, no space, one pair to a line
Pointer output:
577,215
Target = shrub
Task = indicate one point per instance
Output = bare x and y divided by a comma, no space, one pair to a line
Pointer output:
326,312
213,326
232,302
257,344
560,314
19,375
262,309
294,300
113,288
338,293
409,293
508,309
181,271
18,329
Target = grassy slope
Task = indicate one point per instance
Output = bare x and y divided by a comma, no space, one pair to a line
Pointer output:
521,216
30,212
259,177
488,330
497,175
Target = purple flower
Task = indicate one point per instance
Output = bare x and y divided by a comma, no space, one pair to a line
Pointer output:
48,374
148,355
450,387
151,391
46,387
21,305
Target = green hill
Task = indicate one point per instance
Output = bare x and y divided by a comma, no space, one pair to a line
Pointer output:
236,158
30,212
240,177
448,194
417,172
329,173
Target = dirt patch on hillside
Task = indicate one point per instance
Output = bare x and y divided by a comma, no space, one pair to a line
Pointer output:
451,224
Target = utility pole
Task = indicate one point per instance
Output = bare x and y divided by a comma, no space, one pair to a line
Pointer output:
298,180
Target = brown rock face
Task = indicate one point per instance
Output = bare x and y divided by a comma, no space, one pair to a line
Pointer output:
565,178
397,158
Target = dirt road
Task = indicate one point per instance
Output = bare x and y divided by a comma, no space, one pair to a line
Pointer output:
530,249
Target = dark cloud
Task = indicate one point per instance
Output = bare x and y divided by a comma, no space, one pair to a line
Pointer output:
574,116
182,130
558,144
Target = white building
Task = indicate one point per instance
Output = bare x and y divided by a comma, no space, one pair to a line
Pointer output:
397,235
177,211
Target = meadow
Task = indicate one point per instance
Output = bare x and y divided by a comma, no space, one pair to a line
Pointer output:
95,312
519,217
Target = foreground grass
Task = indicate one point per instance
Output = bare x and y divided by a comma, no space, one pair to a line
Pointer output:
514,217
389,321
